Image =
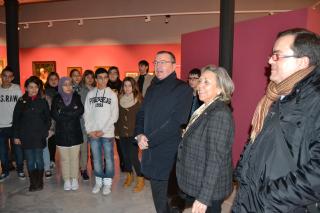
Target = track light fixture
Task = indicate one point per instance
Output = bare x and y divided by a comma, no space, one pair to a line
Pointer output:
50,24
147,19
80,22
166,20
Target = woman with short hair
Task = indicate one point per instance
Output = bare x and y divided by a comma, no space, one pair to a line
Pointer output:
204,162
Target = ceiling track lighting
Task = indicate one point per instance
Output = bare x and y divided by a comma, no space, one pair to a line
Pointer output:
147,17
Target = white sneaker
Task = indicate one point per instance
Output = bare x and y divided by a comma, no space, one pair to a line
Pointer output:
97,186
106,190
74,184
67,185
107,183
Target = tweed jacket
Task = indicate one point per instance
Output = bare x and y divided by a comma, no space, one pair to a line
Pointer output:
204,161
147,82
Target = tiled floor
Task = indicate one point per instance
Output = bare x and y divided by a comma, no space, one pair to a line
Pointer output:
15,198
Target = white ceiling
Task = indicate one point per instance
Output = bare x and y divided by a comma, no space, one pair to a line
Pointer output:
129,30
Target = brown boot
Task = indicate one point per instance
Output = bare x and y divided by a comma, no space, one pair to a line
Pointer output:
140,184
128,180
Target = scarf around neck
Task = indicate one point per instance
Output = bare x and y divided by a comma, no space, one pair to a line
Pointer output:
127,101
273,93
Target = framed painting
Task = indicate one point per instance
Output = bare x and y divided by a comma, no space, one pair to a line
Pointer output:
43,68
132,74
71,68
96,67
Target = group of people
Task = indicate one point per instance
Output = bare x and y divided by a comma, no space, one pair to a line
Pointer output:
185,131
68,113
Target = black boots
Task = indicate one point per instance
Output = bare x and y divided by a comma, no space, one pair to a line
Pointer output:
33,179
36,180
40,179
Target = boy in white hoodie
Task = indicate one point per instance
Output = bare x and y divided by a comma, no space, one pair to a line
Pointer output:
101,112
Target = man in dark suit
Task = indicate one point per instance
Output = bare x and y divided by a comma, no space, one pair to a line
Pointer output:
165,108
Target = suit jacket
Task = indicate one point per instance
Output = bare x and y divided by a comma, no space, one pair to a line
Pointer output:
204,162
147,82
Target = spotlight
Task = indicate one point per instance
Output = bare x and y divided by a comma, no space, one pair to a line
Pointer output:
80,22
26,26
147,19
50,24
166,20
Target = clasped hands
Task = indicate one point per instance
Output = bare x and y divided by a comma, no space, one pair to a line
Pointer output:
96,134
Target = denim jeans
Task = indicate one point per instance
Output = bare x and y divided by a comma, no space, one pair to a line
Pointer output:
102,148
46,158
5,135
34,159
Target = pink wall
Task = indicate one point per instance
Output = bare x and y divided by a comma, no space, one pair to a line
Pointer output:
313,20
125,57
253,43
3,53
199,49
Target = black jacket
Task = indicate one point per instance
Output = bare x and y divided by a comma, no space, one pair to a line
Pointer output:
68,129
31,122
204,162
165,108
280,171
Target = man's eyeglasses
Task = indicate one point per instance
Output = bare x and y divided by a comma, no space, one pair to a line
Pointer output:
277,57
161,62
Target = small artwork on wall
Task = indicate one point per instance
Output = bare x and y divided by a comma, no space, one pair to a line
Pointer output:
43,68
132,74
96,67
73,68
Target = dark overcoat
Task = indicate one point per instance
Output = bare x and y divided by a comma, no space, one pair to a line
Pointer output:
68,129
165,108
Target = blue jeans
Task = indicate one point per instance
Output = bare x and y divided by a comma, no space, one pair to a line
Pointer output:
102,147
5,135
46,158
34,159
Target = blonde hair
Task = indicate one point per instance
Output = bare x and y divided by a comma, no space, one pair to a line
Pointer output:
224,82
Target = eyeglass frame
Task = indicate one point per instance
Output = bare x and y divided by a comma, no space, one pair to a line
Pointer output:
162,62
277,56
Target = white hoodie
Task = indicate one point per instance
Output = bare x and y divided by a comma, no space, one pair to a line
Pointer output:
101,111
